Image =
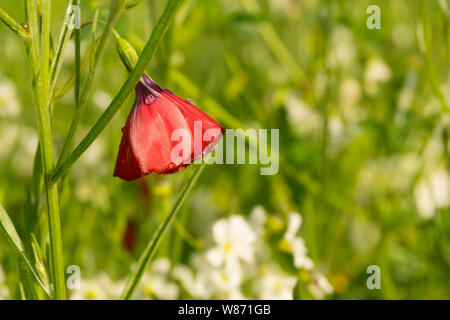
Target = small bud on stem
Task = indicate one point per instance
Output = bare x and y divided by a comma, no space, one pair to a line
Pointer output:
127,53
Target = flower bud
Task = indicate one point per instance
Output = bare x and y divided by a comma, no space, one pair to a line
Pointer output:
127,53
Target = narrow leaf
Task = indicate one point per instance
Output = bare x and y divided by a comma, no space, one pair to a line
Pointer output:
9,231
153,245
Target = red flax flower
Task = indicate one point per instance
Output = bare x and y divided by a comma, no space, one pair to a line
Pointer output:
151,136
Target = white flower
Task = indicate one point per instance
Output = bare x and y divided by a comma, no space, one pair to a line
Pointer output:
24,150
336,127
156,283
350,91
98,288
407,93
432,192
402,35
235,241
196,285
342,52
302,118
320,287
2,275
275,285
297,244
227,281
9,105
258,218
9,134
376,71
4,291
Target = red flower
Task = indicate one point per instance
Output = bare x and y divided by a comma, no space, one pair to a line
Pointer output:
151,136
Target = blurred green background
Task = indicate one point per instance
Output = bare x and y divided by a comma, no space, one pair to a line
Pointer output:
364,150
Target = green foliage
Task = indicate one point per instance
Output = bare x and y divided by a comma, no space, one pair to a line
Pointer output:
364,148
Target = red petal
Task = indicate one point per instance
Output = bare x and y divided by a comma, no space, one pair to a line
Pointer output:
146,144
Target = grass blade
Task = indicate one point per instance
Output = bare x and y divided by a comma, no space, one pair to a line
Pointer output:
13,25
153,245
46,147
63,39
9,232
150,48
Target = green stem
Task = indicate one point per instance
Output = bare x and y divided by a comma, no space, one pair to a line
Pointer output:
153,245
13,25
63,39
46,17
45,141
77,67
116,11
64,88
434,78
157,33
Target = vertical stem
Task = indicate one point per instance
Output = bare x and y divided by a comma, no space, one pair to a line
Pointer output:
64,38
153,244
117,8
46,146
433,75
133,78
77,66
46,16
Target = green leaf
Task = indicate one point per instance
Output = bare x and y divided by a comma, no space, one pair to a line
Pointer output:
13,25
9,232
28,291
133,78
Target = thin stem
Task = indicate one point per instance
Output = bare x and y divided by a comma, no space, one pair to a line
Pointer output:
46,147
63,39
77,67
153,244
77,115
63,89
116,11
9,231
186,235
434,79
13,25
46,17
149,49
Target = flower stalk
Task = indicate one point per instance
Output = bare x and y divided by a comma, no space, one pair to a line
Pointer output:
46,146
149,49
117,8
63,39
153,244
